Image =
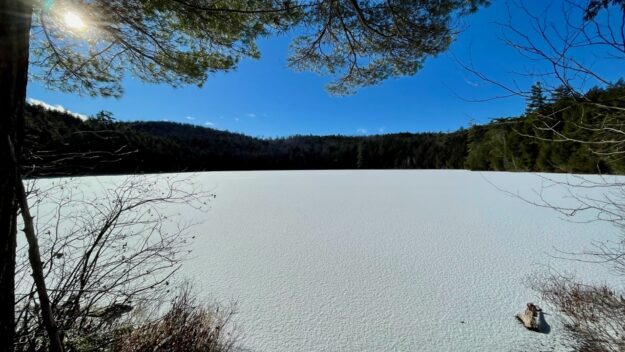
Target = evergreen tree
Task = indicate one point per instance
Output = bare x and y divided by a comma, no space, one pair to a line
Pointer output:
561,93
536,100
104,117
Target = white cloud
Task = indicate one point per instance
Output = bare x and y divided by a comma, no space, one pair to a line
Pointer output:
381,129
208,123
59,108
189,117
236,119
361,131
251,114
470,82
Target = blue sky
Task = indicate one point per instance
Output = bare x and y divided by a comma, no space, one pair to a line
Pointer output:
265,98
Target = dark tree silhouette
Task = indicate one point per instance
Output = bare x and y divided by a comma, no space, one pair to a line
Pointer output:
536,100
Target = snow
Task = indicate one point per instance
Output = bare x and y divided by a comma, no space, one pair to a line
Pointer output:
392,260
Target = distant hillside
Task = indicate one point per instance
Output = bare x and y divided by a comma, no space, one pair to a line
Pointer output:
62,144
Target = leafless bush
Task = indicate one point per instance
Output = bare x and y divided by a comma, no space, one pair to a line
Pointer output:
103,254
186,327
593,315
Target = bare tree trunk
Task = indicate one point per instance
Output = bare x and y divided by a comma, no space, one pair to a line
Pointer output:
37,267
15,21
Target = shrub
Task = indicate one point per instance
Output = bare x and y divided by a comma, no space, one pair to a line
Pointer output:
593,315
186,327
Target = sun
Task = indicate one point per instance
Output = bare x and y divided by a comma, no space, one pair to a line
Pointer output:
72,20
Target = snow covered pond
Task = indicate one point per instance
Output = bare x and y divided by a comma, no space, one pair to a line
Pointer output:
381,260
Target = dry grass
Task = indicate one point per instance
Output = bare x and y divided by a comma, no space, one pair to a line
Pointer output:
593,316
186,327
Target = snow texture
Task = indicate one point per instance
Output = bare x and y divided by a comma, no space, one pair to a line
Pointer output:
382,260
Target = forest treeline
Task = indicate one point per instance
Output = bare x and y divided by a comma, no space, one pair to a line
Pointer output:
62,144
550,136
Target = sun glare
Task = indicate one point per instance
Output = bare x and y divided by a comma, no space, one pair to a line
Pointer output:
74,21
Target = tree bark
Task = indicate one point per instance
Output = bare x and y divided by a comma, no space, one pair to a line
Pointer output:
15,21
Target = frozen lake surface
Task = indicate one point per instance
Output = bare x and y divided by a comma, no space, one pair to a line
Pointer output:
381,260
